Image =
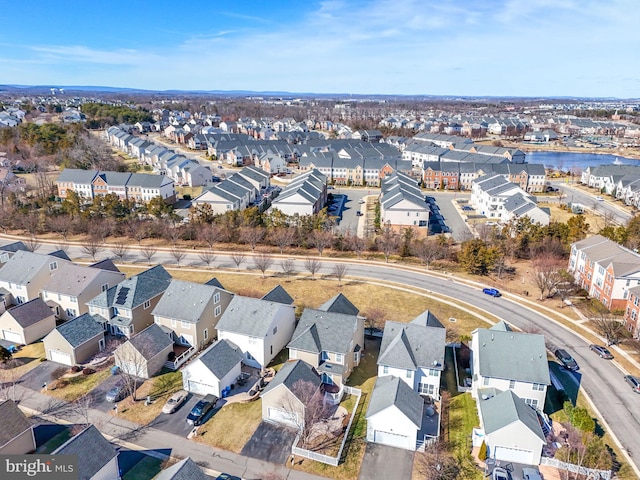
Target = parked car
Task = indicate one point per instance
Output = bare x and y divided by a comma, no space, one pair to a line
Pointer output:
361,201
467,208
531,474
601,351
599,198
175,401
226,476
634,382
116,393
358,213
494,292
199,412
500,474
566,360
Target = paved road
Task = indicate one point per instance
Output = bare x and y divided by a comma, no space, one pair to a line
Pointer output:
601,380
606,207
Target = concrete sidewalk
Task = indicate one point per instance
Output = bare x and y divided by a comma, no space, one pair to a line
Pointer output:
133,436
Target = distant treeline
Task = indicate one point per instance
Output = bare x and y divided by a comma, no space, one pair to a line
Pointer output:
100,115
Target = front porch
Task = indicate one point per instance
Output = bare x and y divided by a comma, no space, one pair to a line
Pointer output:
179,356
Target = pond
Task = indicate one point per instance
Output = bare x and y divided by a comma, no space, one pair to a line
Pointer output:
574,161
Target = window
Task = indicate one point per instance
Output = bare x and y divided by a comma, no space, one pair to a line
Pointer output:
104,287
206,333
275,329
71,313
385,369
4,257
433,372
324,356
538,387
174,323
217,311
356,357
216,298
147,304
531,402
53,266
512,384
339,358
409,374
185,325
485,381
426,389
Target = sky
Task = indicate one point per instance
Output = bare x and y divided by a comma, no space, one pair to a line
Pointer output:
530,48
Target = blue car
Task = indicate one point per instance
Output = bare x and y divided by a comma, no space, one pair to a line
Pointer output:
494,292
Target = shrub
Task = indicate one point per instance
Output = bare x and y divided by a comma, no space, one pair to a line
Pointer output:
58,373
482,453
88,371
76,368
61,383
186,196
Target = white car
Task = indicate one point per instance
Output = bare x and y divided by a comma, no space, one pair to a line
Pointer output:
599,198
500,474
174,401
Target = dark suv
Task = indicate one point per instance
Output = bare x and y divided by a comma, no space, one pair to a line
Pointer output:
200,410
566,360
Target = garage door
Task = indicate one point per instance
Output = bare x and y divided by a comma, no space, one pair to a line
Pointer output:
200,388
281,416
513,455
60,357
391,439
11,336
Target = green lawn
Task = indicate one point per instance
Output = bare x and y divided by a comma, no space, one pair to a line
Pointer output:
463,417
146,468
160,388
80,385
448,379
231,426
54,442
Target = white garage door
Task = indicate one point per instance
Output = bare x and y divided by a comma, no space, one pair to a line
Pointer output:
60,357
513,455
282,416
200,388
391,439
11,336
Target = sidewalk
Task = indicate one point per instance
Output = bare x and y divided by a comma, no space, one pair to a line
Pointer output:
131,435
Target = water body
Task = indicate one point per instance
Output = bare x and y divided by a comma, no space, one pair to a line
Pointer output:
568,161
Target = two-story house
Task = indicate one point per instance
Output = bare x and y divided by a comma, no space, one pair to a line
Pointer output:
414,352
126,308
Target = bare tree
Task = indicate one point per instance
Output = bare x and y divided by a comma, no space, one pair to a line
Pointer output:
32,243
356,244
251,236
210,234
207,257
178,255
305,406
548,273
288,266
82,407
374,317
387,242
172,233
60,224
428,251
133,364
436,463
238,259
610,328
148,253
137,230
339,271
92,246
9,378
312,265
283,237
120,250
320,239
262,262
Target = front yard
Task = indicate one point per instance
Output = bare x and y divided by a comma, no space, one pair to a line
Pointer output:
79,385
231,426
457,425
23,361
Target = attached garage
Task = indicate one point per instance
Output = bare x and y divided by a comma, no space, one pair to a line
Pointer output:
517,455
215,369
200,388
282,416
12,336
393,439
60,357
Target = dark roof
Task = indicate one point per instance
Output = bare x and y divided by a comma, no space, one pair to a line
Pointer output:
214,282
92,450
105,264
14,422
80,329
339,304
150,341
185,469
318,330
135,290
278,294
14,247
221,357
60,254
31,312
391,391
291,372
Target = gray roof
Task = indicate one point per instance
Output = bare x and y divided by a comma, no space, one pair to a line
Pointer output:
278,294
291,372
391,391
23,266
31,312
185,469
92,450
214,282
14,422
80,329
185,300
512,356
71,279
76,175
248,316
150,341
339,304
221,357
502,326
414,345
13,247
506,408
106,264
135,290
319,331
146,180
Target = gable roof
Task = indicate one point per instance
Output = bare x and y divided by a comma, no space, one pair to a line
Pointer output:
150,341
506,408
72,279
278,294
13,247
291,372
106,264
319,330
92,450
185,300
135,290
185,469
80,329
23,266
248,316
339,304
391,391
31,312
14,422
221,357
512,356
214,282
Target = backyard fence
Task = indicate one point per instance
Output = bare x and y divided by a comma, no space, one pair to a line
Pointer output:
590,473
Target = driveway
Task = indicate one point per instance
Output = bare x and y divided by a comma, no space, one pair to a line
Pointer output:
381,461
271,443
100,392
176,422
36,378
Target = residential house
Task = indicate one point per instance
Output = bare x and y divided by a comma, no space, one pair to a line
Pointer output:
145,353
185,469
273,164
414,352
16,434
305,195
339,304
402,203
395,414
261,328
71,286
281,399
511,429
126,308
215,369
27,322
75,341
76,180
506,360
97,458
631,312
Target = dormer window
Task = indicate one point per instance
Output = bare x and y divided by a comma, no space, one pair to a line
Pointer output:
53,266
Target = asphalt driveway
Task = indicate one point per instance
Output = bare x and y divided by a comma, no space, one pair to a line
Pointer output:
176,422
36,378
271,443
381,461
100,392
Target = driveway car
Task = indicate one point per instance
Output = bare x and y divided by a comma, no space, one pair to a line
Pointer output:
175,401
566,360
499,474
494,292
531,474
358,213
361,201
634,382
199,412
226,476
467,208
601,351
116,393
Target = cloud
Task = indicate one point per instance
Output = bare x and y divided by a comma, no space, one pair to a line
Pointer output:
84,54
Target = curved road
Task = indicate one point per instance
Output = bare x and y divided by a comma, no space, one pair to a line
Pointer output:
601,380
